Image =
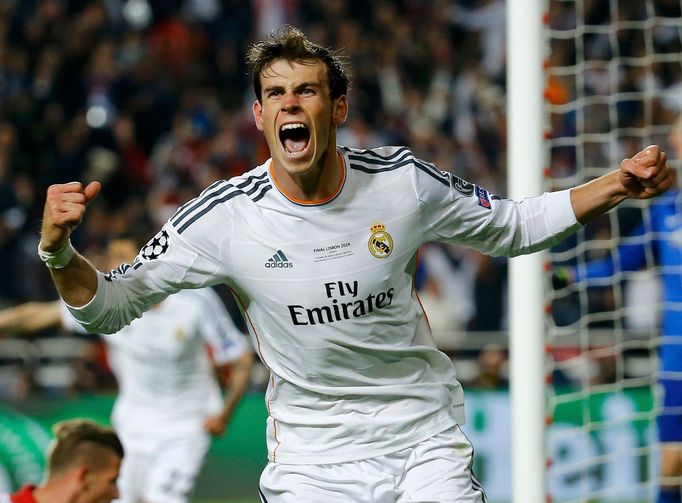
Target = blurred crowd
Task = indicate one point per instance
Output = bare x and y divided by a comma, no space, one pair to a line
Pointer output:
152,98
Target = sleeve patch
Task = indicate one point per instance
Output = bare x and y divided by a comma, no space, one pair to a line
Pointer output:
462,186
156,247
483,197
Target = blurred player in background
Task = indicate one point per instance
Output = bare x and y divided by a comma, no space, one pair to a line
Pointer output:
319,246
169,401
665,239
83,464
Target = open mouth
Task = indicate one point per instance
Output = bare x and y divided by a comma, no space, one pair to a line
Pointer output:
294,137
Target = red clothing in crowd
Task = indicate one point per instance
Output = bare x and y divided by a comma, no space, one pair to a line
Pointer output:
23,495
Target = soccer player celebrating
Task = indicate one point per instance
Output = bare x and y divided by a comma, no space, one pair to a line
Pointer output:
318,245
169,403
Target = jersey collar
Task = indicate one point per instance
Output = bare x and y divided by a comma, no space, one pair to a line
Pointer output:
319,202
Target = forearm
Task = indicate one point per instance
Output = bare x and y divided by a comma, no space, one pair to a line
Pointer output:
598,196
77,282
30,317
238,385
643,176
74,277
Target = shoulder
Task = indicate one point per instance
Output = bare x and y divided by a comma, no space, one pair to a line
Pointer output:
257,177
252,185
379,159
396,159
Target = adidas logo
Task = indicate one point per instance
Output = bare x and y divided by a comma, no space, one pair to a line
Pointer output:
278,261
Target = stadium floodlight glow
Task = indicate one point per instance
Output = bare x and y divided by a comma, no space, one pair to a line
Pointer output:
97,116
137,13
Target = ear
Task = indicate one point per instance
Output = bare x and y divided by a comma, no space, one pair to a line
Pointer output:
339,110
81,472
77,477
258,114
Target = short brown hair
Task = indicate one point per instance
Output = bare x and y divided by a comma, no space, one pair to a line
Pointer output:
291,44
81,441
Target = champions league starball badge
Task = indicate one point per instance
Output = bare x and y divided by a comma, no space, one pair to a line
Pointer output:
380,242
156,246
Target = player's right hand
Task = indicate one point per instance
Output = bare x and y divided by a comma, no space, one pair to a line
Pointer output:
64,209
216,425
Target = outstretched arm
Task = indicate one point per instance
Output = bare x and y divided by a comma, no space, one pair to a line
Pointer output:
643,176
74,277
30,317
239,382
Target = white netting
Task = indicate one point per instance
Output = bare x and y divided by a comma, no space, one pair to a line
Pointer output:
614,86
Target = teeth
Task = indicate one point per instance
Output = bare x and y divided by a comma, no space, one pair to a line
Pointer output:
296,125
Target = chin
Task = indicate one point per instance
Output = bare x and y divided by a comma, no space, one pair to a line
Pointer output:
297,164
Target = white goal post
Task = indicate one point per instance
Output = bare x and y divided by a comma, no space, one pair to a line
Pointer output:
525,117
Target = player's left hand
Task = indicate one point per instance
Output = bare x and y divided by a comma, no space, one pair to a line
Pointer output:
646,174
215,425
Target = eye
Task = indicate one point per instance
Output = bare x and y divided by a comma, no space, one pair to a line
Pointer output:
306,91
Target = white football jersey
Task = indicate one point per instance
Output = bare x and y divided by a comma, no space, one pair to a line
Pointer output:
327,291
162,365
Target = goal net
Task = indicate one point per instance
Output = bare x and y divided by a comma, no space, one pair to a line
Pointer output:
614,86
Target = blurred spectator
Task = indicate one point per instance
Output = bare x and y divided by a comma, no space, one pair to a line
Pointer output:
446,290
489,294
493,363
15,201
489,18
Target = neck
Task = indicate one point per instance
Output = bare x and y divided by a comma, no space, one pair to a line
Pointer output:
318,184
53,493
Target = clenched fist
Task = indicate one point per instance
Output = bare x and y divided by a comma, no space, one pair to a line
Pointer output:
64,209
646,174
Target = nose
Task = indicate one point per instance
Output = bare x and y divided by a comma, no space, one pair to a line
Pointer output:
290,103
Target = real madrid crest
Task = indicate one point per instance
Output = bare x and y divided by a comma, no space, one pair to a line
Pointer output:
380,242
